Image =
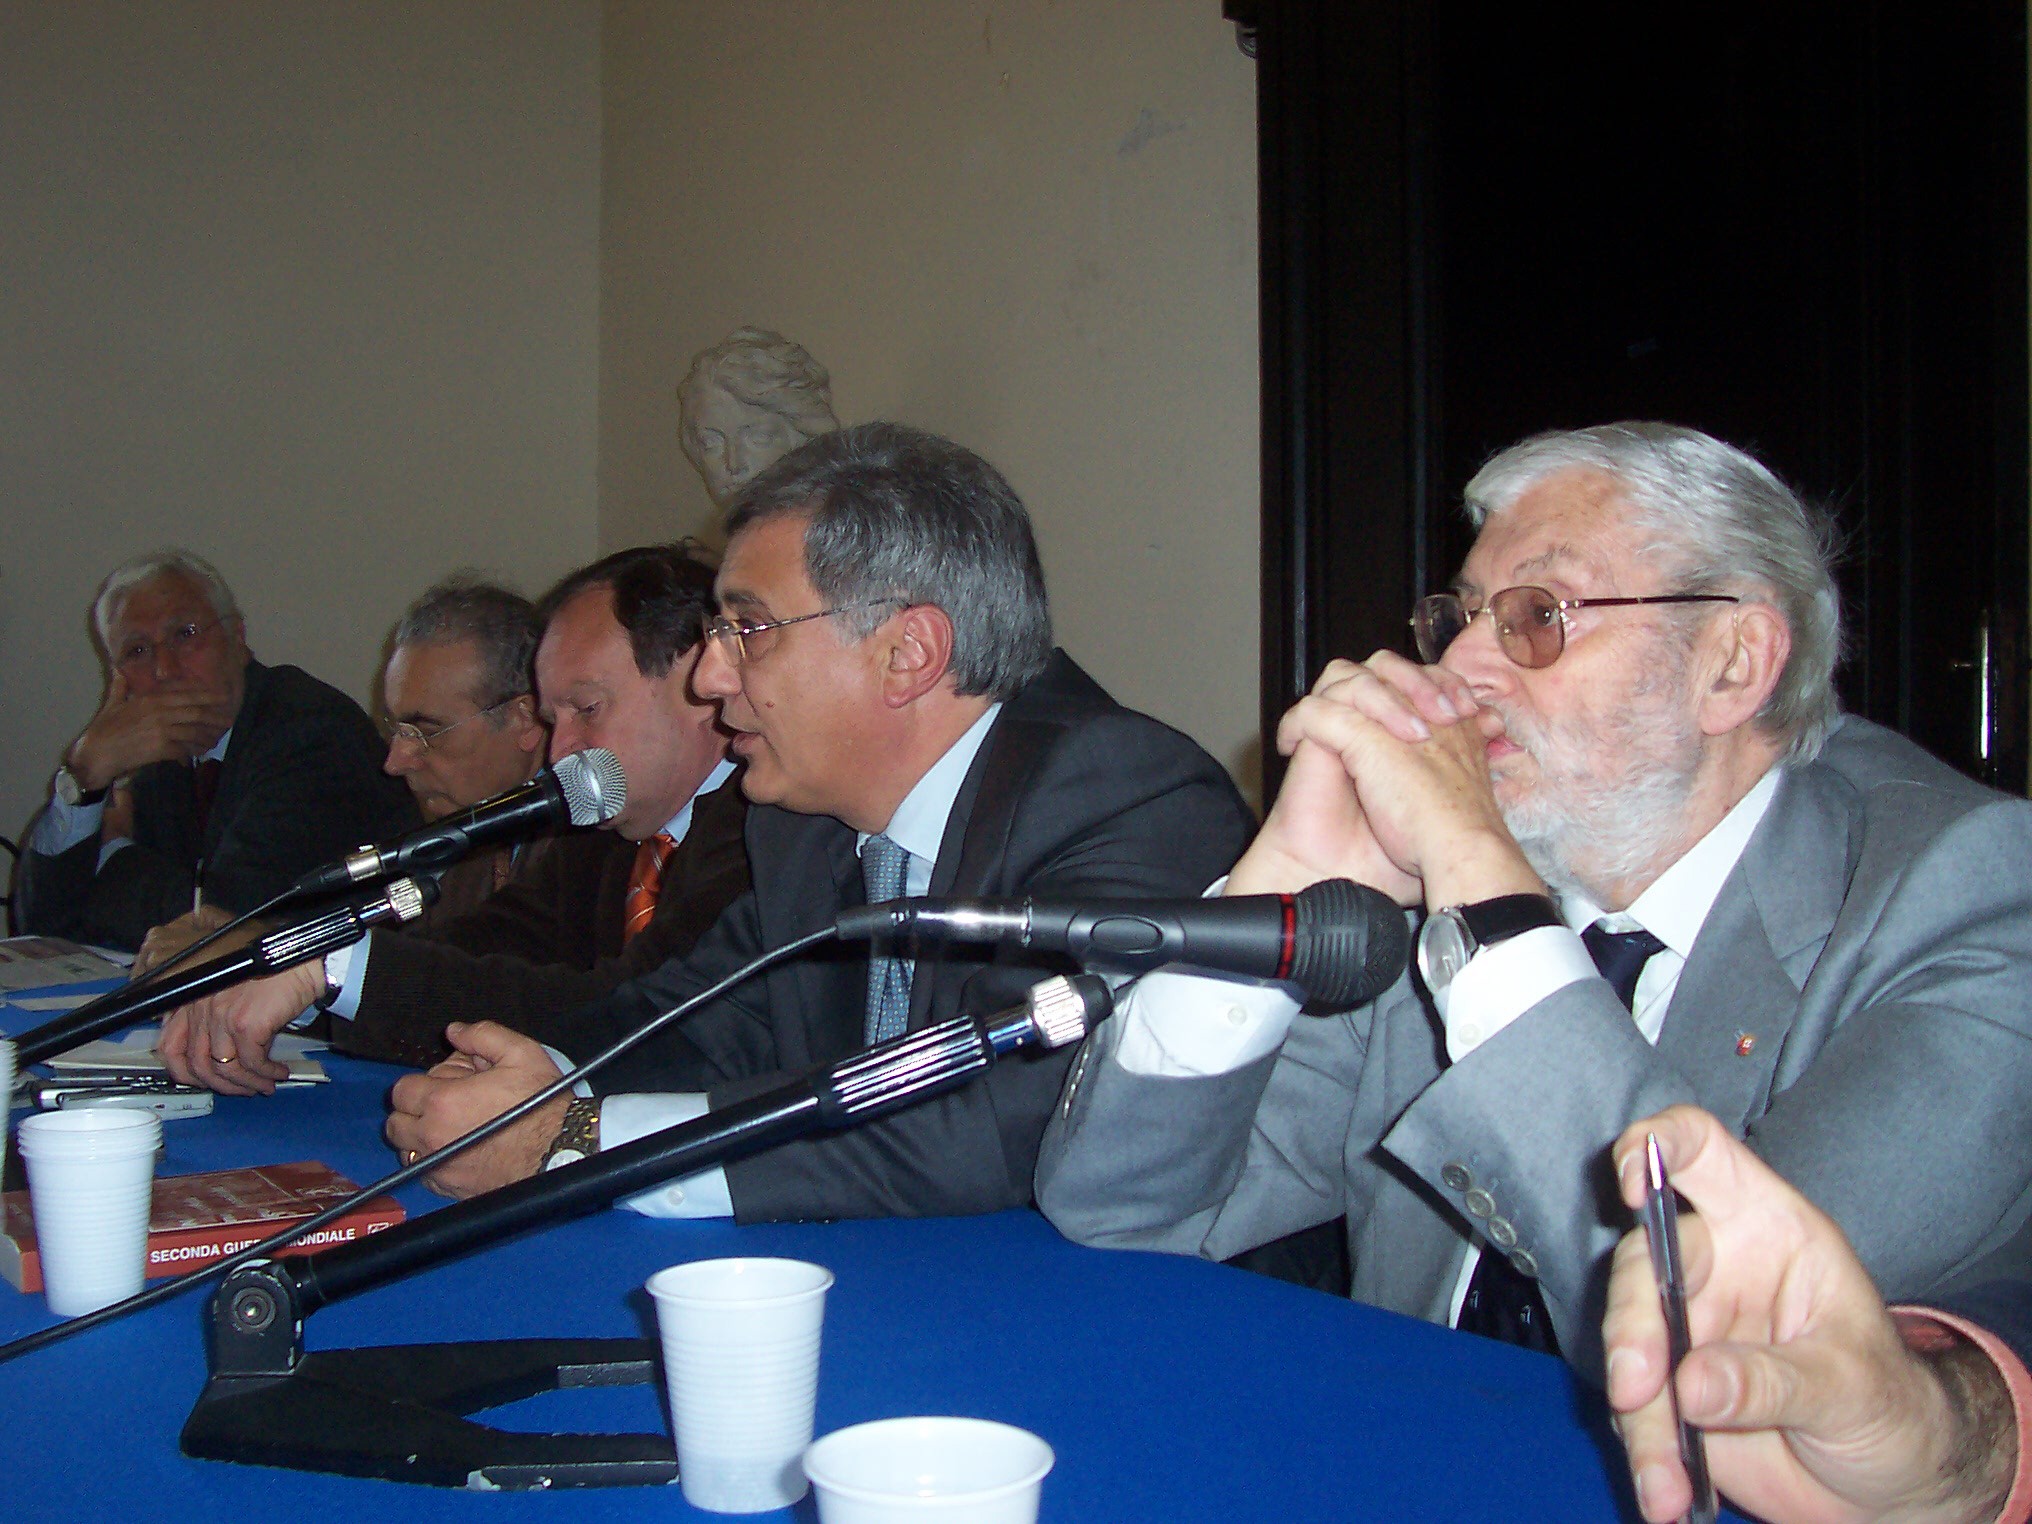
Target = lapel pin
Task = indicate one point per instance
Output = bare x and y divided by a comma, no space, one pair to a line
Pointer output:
1746,1044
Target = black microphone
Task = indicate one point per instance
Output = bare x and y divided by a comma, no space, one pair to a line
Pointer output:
324,931
584,788
1339,941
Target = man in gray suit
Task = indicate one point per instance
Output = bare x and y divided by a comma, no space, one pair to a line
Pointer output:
1654,865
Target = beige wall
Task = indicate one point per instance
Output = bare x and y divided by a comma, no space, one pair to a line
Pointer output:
311,288
1029,226
344,296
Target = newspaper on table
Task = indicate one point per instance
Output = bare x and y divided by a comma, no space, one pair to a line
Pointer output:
33,963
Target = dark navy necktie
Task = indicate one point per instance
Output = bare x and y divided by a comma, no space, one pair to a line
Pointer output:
1501,1302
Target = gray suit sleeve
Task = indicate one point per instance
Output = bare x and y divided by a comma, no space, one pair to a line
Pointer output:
1209,1165
1900,1100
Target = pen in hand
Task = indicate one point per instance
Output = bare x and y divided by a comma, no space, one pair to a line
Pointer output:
1661,1222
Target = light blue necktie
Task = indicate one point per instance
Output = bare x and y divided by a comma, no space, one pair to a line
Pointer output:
883,866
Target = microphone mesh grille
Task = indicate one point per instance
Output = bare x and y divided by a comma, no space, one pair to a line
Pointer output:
594,786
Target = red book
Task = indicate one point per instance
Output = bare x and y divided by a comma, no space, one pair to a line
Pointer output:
196,1219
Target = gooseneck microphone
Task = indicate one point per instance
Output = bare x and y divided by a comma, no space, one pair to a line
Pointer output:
1339,941
325,930
584,788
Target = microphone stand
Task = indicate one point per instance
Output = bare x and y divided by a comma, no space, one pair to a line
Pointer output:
312,937
399,1412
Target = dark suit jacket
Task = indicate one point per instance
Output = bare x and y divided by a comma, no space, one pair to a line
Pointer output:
1070,795
550,940
301,785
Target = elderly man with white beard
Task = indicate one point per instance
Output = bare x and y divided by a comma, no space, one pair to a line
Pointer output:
1649,862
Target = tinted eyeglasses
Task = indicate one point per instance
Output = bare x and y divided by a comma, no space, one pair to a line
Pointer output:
138,654
1530,622
743,640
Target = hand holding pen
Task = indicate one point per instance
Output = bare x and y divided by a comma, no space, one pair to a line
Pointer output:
1811,1405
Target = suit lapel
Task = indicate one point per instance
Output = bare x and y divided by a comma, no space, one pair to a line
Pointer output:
1758,942
975,845
831,981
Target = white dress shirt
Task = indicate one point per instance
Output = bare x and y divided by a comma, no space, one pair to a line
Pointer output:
62,826
918,826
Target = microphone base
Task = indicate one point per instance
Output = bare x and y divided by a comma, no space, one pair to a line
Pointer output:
401,1414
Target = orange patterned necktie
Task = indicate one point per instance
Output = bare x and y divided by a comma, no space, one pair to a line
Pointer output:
645,882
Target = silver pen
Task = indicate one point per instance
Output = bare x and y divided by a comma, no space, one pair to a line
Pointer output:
1661,1221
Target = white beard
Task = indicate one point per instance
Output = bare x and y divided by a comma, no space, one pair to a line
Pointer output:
1609,802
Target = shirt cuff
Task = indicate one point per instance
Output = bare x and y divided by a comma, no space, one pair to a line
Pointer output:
624,1118
62,826
1180,1022
2017,1380
346,972
1501,983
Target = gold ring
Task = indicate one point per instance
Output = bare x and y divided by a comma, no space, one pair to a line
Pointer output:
411,1157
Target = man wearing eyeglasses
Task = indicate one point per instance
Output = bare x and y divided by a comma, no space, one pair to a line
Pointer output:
1649,862
883,657
462,724
584,910
204,771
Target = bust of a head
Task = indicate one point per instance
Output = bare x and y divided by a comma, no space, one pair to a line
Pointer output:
747,400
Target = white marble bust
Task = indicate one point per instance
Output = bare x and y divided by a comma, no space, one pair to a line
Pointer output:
747,400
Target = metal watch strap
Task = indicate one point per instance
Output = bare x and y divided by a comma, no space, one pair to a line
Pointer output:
1506,916
580,1130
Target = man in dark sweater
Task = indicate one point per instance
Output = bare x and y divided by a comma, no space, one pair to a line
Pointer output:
204,774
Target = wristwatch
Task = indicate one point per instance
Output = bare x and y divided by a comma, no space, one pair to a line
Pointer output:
578,1136
1456,933
72,792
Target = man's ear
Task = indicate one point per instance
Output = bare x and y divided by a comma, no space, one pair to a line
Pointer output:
1747,656
916,647
530,733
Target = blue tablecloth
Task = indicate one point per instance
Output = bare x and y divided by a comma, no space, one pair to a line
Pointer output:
1171,1389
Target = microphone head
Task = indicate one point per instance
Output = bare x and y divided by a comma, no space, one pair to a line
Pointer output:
593,784
1354,943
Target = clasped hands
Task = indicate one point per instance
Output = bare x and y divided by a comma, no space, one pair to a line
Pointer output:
1388,785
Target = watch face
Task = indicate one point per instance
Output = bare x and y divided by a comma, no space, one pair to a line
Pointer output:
1443,949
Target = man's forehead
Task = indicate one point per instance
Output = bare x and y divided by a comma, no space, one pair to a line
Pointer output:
168,597
764,562
427,672
1569,527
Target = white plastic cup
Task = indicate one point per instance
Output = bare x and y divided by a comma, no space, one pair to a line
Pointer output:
89,1177
740,1359
6,1096
939,1470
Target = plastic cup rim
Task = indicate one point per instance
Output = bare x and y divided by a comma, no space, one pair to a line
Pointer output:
685,1269
116,1130
859,1494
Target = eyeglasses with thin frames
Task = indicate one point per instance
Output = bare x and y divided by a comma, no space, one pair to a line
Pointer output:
421,739
1530,622
744,640
138,655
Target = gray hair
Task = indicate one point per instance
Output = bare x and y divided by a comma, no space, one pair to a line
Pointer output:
900,514
1722,522
498,620
765,370
123,579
